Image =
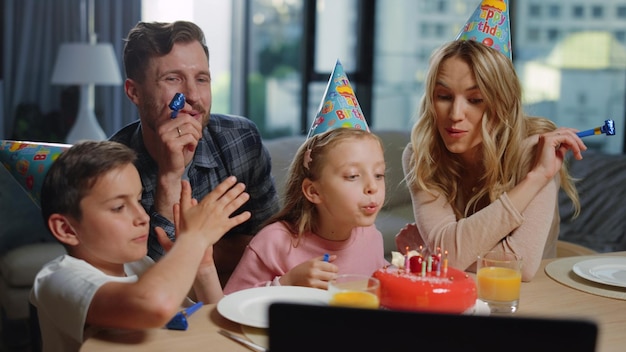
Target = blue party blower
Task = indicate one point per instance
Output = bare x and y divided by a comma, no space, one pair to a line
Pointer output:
177,103
608,129
179,321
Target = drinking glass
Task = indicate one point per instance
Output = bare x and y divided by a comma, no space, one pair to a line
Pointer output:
357,291
499,278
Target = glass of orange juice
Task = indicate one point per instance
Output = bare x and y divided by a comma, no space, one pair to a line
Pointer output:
357,291
499,278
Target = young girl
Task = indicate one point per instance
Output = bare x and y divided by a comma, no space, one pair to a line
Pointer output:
482,174
335,189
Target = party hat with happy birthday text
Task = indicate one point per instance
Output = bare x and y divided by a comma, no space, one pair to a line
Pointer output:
490,25
339,107
28,163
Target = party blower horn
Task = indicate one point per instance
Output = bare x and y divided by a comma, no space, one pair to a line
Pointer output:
177,103
608,128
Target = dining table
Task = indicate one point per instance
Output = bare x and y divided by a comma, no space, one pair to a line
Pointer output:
543,297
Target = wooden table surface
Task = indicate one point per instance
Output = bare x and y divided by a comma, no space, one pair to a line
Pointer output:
542,297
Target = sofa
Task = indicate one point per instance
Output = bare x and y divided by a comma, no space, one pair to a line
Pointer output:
25,246
601,183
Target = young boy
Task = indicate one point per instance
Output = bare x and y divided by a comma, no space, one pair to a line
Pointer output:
91,203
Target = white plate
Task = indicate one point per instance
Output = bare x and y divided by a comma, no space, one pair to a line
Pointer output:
608,271
250,306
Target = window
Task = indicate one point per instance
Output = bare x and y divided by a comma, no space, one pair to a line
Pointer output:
433,6
442,6
554,11
597,12
552,34
533,35
425,29
578,11
272,67
441,31
534,10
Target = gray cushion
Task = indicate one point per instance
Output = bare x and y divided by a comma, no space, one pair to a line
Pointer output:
282,151
20,218
602,191
394,143
18,267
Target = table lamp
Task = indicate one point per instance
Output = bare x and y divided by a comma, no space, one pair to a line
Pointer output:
86,64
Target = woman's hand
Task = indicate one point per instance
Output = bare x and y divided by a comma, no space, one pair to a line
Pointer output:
552,148
409,237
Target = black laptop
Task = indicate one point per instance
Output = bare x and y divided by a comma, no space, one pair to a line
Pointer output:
300,327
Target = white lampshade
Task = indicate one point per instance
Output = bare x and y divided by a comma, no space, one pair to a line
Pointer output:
84,63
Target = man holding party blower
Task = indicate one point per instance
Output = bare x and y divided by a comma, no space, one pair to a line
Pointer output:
161,60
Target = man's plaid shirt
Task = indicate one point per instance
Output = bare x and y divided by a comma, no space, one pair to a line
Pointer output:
230,145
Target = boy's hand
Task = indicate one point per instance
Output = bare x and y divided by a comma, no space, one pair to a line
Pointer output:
163,238
211,216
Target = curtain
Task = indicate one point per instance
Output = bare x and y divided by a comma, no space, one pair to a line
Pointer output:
32,33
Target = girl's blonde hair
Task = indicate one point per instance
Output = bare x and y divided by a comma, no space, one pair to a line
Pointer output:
507,158
297,213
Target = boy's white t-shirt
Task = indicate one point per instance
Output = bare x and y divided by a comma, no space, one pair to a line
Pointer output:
62,292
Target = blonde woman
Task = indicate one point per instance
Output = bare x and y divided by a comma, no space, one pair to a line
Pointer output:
482,174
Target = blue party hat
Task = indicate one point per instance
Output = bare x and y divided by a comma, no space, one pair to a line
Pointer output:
339,107
490,25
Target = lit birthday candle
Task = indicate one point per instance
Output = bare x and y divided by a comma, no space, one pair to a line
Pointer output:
445,262
407,264
438,261
430,263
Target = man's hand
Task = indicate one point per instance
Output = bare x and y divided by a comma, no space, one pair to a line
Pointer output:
211,217
173,148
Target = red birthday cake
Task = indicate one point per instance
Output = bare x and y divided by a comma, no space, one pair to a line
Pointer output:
426,285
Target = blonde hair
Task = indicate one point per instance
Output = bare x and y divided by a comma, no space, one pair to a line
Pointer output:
507,158
298,213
